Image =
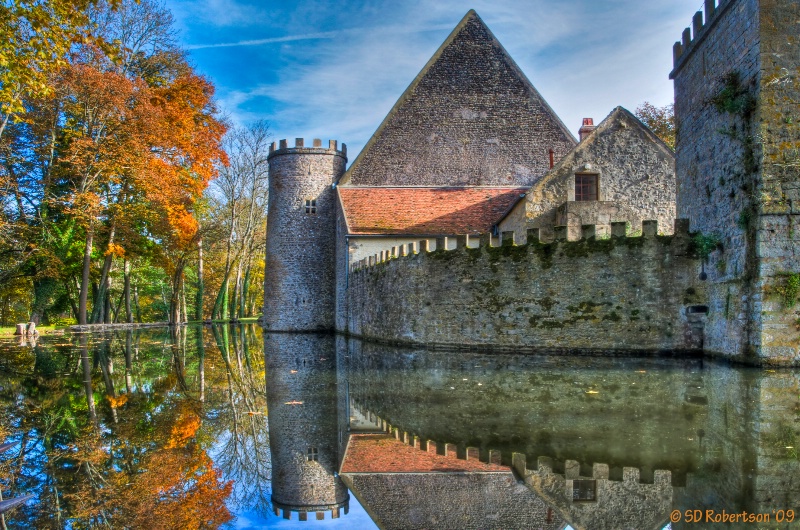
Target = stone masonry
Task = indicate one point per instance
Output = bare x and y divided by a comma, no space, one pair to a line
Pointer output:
621,294
635,175
470,117
737,95
303,424
299,282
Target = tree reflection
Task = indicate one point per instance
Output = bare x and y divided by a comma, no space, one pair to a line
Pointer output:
244,452
159,447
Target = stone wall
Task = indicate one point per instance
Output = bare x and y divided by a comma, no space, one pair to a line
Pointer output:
736,95
471,117
300,268
620,294
636,181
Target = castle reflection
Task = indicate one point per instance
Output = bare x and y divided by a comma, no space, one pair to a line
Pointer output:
440,439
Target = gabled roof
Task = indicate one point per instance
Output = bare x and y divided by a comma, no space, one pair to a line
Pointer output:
470,117
425,211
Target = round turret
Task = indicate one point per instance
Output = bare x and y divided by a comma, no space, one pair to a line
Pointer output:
300,274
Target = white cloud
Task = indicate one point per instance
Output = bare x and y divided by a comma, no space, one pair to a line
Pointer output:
259,42
585,56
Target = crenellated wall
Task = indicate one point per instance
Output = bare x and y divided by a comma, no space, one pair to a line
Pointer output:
605,295
737,91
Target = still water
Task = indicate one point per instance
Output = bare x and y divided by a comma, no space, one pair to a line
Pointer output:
228,427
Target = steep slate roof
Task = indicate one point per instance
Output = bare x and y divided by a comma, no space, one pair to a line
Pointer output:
470,117
425,211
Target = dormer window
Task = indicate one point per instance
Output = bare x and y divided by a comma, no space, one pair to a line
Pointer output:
311,206
586,187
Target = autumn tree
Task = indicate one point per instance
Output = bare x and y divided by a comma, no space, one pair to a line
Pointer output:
660,120
35,38
108,165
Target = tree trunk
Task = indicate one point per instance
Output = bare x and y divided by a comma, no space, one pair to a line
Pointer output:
87,378
198,306
68,289
127,291
98,310
183,303
174,299
236,292
245,291
201,354
128,361
87,263
117,309
136,304
107,303
42,293
221,303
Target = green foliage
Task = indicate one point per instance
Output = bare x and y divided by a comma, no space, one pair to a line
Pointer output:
660,120
702,245
733,97
788,288
743,221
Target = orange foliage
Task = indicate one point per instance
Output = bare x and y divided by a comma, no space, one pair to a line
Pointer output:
117,401
184,429
178,489
152,145
171,484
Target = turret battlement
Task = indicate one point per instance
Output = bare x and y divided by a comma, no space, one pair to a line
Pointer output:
701,22
568,469
619,231
316,148
319,511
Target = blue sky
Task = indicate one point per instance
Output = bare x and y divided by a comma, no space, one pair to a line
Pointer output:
332,70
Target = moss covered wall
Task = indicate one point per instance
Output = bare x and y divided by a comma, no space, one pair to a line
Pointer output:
737,95
606,295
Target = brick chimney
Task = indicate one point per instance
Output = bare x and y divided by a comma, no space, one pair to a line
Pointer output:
587,127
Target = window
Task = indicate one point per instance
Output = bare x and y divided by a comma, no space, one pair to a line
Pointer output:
585,187
313,454
311,206
584,490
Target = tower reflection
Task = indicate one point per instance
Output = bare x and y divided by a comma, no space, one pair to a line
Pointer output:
301,399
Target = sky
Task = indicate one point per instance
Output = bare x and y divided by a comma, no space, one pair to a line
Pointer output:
333,70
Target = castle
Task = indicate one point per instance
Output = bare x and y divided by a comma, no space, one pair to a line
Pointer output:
474,219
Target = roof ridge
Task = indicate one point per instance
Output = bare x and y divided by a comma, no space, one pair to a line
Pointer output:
410,89
532,96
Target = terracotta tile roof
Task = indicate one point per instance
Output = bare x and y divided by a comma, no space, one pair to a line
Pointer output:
380,453
425,211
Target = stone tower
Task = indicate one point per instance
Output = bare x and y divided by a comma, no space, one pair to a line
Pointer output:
303,425
300,274
737,95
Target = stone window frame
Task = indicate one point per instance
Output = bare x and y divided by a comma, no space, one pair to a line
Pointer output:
584,490
312,454
585,173
311,206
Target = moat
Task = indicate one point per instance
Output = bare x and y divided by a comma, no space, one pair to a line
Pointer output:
227,427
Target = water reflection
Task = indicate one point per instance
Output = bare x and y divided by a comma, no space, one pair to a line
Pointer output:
227,426
606,443
304,427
